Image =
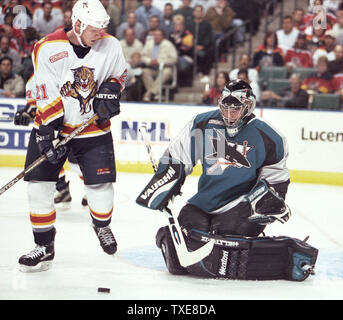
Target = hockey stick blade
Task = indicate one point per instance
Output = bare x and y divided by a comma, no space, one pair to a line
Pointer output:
186,258
42,158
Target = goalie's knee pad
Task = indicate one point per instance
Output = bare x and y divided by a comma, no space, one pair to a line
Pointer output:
165,243
259,258
191,217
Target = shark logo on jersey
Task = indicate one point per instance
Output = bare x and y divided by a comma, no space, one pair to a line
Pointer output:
227,154
83,88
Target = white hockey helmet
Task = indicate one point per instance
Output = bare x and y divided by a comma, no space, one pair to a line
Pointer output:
90,13
236,103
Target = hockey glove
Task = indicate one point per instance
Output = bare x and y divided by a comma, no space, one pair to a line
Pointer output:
24,116
44,139
164,185
106,102
267,205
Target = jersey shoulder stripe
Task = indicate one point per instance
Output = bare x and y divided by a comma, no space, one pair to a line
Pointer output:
57,36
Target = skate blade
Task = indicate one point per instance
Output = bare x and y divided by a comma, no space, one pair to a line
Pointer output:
42,266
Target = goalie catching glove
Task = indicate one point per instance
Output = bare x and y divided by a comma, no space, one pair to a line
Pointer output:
164,185
106,102
267,205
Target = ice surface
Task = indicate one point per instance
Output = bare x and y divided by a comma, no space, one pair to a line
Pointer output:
137,271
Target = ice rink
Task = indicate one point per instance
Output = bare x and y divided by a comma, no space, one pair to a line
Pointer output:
137,271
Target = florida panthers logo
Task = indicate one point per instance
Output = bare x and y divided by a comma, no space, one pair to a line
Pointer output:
83,88
227,154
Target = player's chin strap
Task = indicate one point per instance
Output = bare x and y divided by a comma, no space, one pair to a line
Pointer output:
78,35
186,258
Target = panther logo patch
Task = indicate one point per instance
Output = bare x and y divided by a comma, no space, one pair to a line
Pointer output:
83,88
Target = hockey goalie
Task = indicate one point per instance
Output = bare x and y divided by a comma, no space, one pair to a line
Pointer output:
242,189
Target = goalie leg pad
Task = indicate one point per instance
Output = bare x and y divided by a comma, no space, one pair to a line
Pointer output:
259,258
164,185
165,243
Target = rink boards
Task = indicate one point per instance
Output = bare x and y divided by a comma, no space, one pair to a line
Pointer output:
315,138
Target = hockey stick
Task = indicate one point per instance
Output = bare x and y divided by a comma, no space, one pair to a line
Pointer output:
43,157
186,258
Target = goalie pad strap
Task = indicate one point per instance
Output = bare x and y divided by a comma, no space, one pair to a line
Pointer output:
165,184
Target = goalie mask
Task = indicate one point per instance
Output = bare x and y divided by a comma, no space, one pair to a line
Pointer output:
89,13
237,102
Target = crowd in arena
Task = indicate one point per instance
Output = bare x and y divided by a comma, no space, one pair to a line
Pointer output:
160,35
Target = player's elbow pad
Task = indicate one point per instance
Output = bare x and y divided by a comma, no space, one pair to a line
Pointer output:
164,185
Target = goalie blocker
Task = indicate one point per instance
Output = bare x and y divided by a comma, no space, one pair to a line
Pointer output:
164,185
244,258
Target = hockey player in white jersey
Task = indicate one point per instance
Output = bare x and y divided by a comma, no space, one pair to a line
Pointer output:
78,73
23,117
242,189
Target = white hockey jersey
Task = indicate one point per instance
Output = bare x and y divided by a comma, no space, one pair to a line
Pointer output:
66,84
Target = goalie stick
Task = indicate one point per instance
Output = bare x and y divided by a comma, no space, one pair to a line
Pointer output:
43,157
186,258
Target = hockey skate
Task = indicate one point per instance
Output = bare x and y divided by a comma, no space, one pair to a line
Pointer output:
38,259
106,238
63,196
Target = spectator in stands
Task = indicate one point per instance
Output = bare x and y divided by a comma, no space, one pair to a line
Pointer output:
243,75
298,18
154,24
268,54
6,51
328,48
11,84
131,23
67,22
329,5
318,8
186,11
293,97
315,37
134,88
145,11
130,44
299,56
248,10
202,32
126,7
287,36
156,51
46,23
30,38
113,11
14,34
245,63
321,80
220,17
183,40
338,26
336,66
167,19
211,95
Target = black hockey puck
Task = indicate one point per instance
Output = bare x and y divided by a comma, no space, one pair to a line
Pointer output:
106,290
